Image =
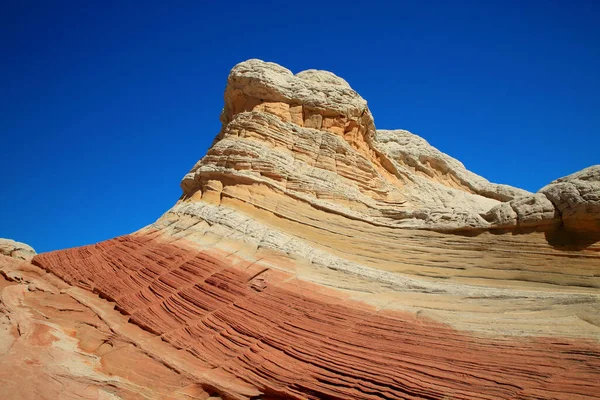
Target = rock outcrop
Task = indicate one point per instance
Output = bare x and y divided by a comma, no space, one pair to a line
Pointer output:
257,331
286,271
10,248
61,342
311,137
577,199
571,203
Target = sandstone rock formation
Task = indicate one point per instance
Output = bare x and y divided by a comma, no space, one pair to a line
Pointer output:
571,203
577,199
311,137
61,342
286,271
10,248
256,330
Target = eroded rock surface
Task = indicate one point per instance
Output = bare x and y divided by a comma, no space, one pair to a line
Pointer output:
311,137
286,271
10,248
256,328
55,343
571,203
577,199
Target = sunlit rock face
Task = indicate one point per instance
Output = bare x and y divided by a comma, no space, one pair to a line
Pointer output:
576,198
571,203
312,256
311,137
10,248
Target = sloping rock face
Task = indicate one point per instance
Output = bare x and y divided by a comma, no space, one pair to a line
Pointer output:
312,256
10,248
61,342
270,335
311,137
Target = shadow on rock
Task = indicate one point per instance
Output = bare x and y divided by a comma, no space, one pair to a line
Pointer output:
562,239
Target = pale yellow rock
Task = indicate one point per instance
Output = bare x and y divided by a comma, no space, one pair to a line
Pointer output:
577,198
571,203
10,248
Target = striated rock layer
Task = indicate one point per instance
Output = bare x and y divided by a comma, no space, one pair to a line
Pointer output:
57,343
311,137
314,256
250,324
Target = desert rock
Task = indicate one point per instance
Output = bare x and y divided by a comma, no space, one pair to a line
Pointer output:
252,326
313,138
571,203
10,248
314,256
577,199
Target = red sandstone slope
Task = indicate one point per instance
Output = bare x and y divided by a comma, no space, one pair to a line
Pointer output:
292,340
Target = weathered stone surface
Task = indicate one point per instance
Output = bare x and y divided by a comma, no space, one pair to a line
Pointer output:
59,342
249,323
254,82
577,199
312,137
285,271
10,248
418,158
571,203
534,211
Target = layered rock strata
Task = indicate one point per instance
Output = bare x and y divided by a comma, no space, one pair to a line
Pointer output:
61,342
286,270
253,328
571,203
311,137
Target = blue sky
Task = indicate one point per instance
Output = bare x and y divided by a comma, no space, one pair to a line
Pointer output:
105,106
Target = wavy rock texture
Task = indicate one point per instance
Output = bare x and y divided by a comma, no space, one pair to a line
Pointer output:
55,344
250,324
312,256
311,137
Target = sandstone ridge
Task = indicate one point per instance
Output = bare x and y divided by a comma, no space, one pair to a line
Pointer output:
311,137
312,256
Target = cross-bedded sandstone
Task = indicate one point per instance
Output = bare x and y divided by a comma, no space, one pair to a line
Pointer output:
314,256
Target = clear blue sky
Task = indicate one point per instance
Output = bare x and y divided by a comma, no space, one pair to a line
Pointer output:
104,106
